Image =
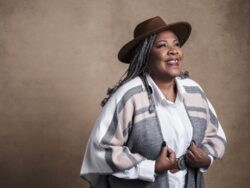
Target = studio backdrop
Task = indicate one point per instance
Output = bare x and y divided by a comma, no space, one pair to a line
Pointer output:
58,57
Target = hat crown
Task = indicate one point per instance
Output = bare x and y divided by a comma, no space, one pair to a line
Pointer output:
149,26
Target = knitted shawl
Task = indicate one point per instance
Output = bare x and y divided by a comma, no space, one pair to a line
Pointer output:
127,132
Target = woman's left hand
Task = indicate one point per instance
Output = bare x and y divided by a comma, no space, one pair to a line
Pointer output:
196,157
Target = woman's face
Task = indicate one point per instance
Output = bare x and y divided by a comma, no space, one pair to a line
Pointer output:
166,57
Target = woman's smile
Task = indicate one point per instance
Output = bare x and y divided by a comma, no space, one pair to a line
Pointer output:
172,62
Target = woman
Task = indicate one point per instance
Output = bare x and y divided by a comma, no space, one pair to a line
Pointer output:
157,128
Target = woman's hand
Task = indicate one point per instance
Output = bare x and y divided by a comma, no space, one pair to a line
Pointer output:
196,157
166,160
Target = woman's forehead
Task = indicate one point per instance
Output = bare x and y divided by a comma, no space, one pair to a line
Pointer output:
166,35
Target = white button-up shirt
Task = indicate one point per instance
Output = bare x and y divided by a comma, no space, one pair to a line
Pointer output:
175,125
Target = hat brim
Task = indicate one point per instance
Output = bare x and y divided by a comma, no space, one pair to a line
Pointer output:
181,29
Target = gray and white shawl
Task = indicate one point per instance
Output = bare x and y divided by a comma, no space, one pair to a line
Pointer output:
127,132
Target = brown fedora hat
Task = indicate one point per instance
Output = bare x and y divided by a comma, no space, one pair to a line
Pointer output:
153,26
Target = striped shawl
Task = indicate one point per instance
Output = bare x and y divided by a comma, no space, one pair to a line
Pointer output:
126,133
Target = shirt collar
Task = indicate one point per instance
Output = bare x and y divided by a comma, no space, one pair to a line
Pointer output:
158,95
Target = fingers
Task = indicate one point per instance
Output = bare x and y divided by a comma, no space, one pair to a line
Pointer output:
196,157
164,151
172,155
193,147
195,150
165,160
168,152
163,144
190,155
190,158
160,163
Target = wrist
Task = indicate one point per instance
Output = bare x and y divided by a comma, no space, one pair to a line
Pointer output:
156,167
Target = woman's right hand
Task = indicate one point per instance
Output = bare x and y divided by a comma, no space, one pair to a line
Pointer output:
166,159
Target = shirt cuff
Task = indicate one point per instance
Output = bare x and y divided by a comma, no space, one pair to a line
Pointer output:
211,162
146,170
131,173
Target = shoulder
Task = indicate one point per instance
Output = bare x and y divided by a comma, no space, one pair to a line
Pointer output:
189,84
127,90
134,85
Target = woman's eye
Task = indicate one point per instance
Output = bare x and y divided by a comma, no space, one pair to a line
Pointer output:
177,44
161,45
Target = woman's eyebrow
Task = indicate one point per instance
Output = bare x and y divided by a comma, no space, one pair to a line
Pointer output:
163,40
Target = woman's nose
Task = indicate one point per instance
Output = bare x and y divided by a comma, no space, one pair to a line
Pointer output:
172,51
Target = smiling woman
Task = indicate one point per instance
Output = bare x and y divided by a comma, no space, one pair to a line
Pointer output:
157,128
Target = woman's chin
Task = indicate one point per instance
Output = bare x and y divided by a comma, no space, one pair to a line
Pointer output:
173,74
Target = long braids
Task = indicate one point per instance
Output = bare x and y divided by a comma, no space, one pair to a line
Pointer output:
137,66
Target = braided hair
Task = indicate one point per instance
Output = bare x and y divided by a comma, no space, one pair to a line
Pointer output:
137,67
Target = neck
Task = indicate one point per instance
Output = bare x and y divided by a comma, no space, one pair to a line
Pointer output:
167,87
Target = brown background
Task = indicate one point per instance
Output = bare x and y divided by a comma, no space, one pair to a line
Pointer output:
57,58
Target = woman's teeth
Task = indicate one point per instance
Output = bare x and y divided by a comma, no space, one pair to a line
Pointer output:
173,62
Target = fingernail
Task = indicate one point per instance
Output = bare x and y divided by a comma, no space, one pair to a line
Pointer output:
193,142
163,144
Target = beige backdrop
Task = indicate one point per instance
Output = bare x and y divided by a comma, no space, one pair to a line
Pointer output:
57,58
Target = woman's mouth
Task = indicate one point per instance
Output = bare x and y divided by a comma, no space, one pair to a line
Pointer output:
173,62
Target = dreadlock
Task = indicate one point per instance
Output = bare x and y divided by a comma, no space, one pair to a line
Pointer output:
138,65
